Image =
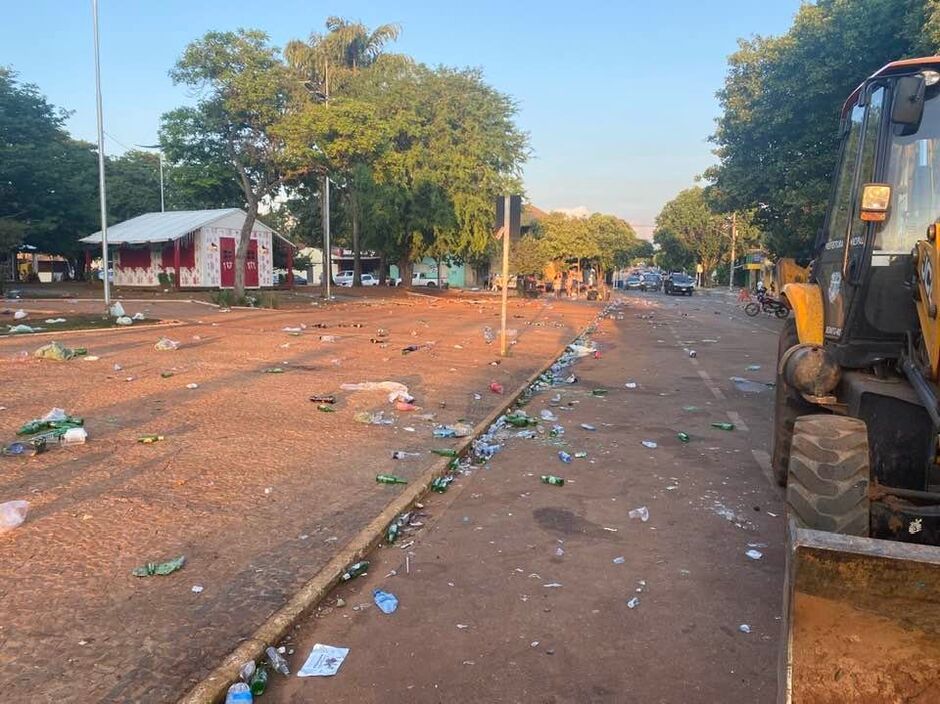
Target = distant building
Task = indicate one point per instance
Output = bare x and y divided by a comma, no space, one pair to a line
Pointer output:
198,244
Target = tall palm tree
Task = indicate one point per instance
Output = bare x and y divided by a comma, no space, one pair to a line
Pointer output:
345,48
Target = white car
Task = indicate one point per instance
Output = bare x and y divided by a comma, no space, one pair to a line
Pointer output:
419,278
345,278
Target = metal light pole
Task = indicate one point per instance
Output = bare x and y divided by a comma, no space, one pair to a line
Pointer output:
734,239
327,255
160,154
101,185
503,342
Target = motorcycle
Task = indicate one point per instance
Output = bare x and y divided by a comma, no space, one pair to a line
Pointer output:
766,304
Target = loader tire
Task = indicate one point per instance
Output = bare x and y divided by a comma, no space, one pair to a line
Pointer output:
828,481
789,405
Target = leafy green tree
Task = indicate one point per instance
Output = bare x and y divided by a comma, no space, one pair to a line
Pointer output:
777,137
686,223
133,185
346,140
245,93
48,181
527,256
615,241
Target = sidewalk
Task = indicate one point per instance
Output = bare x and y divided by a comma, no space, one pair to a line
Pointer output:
515,591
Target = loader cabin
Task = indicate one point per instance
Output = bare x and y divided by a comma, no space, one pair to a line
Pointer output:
885,194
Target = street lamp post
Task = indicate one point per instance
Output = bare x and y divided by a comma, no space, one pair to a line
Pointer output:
160,154
734,239
101,185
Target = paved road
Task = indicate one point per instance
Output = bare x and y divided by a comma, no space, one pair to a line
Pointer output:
513,591
252,484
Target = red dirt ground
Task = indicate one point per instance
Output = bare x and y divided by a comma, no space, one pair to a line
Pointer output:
253,484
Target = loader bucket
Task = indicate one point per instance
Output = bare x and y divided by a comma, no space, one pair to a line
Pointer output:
861,621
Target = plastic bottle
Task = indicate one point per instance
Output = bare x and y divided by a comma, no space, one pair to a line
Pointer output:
723,426
402,455
389,479
74,436
239,693
564,457
276,661
386,602
553,480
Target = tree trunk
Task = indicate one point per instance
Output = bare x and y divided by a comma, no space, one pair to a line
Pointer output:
405,267
356,247
241,252
383,268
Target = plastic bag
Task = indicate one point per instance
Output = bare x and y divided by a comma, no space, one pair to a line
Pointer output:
56,351
20,315
165,343
13,329
12,514
124,320
117,310
395,390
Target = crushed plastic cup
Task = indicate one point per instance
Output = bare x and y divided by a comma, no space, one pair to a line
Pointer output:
642,513
744,628
633,603
650,444
546,414
754,554
12,514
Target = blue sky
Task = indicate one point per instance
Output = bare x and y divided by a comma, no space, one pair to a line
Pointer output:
618,97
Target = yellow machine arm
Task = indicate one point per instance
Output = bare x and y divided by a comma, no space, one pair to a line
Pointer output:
926,266
806,302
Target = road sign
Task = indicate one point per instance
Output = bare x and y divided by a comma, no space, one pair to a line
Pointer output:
515,217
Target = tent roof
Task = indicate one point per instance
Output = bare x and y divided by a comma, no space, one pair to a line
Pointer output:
166,227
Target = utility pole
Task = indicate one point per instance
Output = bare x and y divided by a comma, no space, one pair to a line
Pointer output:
503,342
162,200
734,239
160,154
101,186
327,255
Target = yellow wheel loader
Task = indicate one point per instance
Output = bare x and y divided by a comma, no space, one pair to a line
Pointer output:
857,411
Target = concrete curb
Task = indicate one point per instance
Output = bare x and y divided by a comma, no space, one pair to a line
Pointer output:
92,331
213,687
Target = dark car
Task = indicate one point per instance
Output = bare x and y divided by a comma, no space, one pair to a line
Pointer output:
634,283
651,282
679,284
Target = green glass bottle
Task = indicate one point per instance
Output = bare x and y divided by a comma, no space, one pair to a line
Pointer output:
723,426
357,569
445,452
389,479
553,480
323,408
683,437
520,421
258,682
